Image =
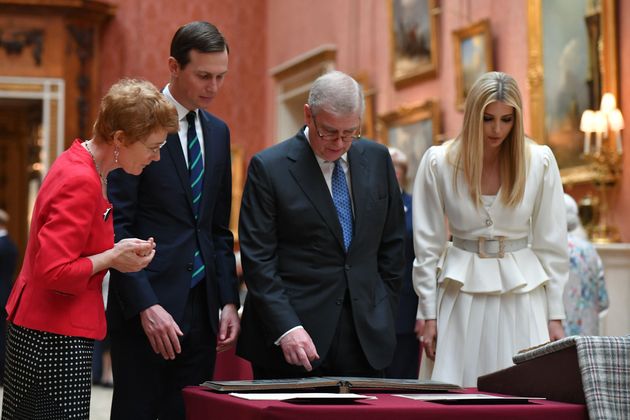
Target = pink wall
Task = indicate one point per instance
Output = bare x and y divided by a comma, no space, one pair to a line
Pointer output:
360,30
266,33
136,44
509,33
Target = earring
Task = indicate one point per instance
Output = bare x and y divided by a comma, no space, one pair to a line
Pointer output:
116,153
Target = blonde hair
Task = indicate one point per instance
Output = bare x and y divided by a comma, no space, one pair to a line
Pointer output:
466,151
137,108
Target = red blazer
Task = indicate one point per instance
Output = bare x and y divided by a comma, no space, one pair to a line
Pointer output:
55,290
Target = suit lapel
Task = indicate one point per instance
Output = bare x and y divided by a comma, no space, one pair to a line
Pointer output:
210,158
307,173
360,179
174,149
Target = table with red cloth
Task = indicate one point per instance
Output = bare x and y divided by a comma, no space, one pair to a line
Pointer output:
202,404
230,367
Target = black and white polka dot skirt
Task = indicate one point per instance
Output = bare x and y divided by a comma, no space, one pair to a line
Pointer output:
47,376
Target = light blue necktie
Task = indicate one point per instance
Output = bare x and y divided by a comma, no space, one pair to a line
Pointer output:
341,198
195,168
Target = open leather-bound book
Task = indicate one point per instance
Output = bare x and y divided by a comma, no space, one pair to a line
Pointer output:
341,384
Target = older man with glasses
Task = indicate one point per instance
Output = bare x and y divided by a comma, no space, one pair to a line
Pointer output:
322,245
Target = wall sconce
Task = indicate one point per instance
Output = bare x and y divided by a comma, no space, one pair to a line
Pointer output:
600,126
605,158
615,121
587,125
607,119
608,102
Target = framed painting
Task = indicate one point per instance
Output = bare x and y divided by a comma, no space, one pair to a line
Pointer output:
368,125
473,57
413,40
412,129
572,62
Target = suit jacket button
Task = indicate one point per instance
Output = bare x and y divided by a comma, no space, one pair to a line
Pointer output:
339,301
346,267
189,267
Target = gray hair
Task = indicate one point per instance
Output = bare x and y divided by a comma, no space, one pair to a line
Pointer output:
571,206
337,93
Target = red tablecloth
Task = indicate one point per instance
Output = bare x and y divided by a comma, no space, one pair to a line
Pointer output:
202,404
230,367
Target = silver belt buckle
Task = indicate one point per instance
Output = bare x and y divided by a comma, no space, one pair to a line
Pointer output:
481,247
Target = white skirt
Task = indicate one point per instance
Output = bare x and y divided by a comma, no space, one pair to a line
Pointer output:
479,333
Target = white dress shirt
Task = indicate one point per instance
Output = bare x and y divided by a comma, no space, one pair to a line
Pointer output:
183,125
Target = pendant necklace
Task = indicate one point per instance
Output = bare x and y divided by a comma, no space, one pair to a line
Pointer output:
98,169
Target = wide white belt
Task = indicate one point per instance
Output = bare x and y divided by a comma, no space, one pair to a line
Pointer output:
490,247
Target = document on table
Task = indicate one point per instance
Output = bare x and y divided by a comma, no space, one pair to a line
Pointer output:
460,397
341,383
300,396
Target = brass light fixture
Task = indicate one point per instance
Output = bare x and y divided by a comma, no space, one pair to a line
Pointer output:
606,123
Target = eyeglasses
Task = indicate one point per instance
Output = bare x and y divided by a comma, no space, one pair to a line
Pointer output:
333,136
155,150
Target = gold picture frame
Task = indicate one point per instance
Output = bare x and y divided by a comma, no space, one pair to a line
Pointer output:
600,29
238,183
473,57
368,125
412,129
414,47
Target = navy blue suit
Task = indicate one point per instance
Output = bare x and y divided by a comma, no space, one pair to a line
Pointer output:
8,260
158,203
294,262
407,355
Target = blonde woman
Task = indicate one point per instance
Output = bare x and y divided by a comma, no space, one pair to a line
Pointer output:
491,291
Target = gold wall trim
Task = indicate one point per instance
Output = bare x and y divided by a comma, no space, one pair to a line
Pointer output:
51,92
535,71
322,54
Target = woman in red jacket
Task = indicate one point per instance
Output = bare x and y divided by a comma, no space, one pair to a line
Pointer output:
55,310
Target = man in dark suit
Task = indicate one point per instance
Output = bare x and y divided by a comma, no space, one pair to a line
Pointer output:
406,362
8,260
163,321
322,235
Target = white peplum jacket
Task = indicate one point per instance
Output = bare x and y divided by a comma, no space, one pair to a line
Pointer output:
440,209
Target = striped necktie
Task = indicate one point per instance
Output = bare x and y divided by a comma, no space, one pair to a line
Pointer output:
341,198
195,168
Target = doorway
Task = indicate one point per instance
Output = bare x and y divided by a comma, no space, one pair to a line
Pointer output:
31,137
20,164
